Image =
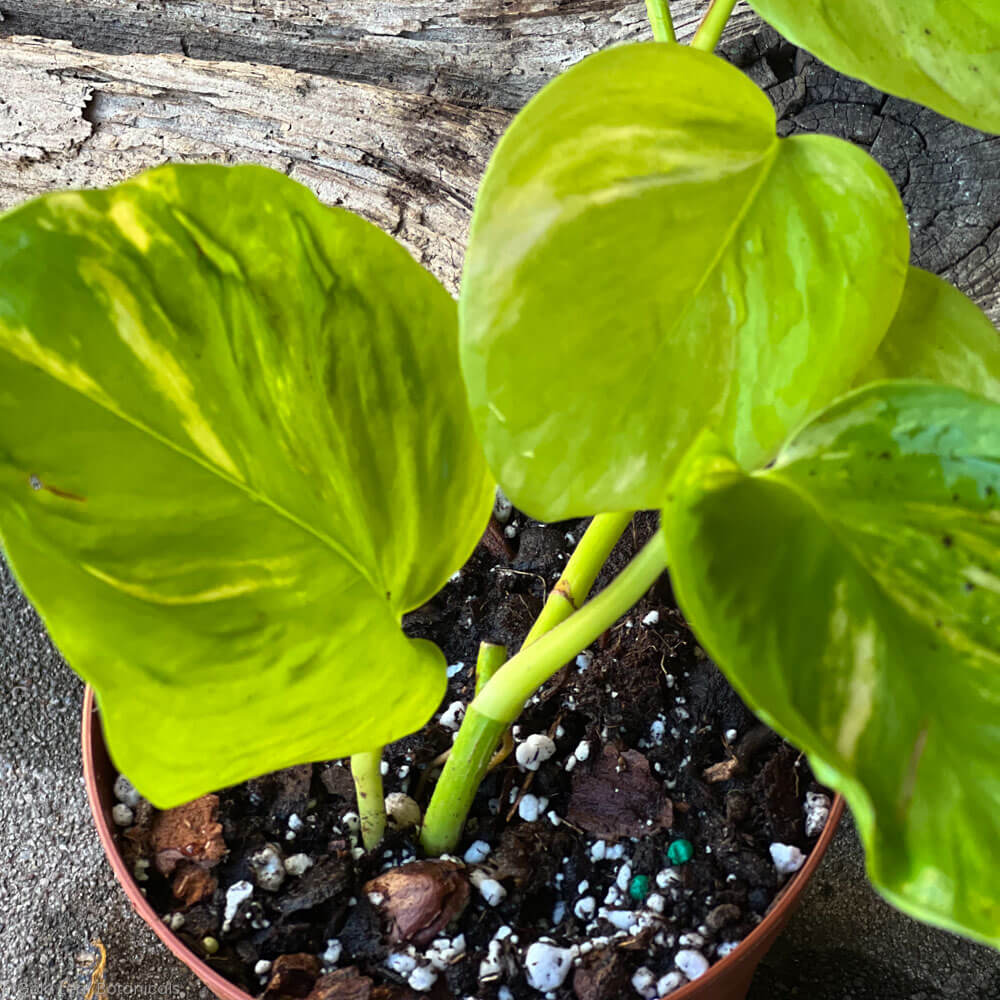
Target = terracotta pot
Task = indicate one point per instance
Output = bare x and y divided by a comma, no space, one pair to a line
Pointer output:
726,980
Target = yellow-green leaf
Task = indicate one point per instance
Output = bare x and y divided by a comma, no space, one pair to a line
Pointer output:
646,259
938,334
941,53
851,594
234,449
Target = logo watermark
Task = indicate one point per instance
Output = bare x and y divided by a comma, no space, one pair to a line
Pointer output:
101,988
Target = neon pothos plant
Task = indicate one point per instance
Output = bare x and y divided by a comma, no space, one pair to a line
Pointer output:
241,434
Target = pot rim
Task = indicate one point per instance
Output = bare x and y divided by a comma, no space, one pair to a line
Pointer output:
751,949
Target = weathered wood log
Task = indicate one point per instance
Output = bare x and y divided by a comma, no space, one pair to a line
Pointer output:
483,53
411,162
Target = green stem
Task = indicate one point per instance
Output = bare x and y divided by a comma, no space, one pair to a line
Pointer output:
366,768
581,571
710,30
501,701
491,658
515,682
465,769
658,12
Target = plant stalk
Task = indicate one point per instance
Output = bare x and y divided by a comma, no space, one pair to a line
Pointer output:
710,30
491,658
366,769
502,699
658,12
581,571
456,788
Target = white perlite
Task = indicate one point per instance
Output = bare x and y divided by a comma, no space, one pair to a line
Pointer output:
585,908
330,957
268,867
451,717
582,751
692,963
531,807
490,967
122,815
125,792
298,864
237,894
668,877
644,983
534,751
401,963
726,948
422,978
624,876
651,619
787,858
263,967
478,851
402,811
492,891
656,902
817,809
502,507
546,965
669,983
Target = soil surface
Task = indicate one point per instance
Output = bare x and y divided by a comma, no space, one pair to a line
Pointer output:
573,878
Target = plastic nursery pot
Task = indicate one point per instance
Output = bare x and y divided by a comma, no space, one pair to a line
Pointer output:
726,980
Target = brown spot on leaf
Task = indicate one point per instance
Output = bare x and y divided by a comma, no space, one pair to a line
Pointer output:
618,797
417,901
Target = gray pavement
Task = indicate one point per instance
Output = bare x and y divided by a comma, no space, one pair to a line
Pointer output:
57,892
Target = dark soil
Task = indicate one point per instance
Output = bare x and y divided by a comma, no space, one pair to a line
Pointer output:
673,755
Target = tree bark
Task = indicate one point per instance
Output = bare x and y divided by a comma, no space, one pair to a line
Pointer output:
492,53
404,140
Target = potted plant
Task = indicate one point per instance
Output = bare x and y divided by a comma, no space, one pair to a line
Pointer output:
244,434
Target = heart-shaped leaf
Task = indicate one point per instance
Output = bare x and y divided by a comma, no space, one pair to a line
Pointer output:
938,334
234,449
647,259
851,594
943,55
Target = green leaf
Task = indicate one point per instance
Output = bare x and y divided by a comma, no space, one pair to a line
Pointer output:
851,594
938,334
646,259
234,449
944,55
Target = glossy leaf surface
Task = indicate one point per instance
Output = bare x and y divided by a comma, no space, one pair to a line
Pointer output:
234,449
938,334
941,53
646,259
851,594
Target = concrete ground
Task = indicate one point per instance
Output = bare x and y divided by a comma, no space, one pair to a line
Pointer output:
57,893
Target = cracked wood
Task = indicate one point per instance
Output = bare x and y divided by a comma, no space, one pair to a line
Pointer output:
493,53
412,163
